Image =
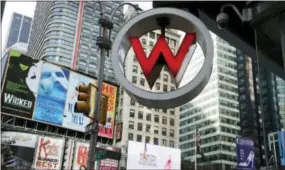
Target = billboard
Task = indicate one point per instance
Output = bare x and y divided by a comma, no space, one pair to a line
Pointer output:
20,85
146,156
81,155
245,153
46,93
119,130
52,94
281,144
49,153
22,147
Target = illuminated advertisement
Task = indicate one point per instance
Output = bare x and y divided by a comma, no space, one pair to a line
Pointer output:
21,85
146,156
49,153
109,164
108,128
47,93
245,153
52,94
22,147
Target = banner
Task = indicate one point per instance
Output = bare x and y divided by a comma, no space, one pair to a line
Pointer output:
81,156
281,144
146,156
245,153
22,147
108,130
52,94
72,120
21,85
49,153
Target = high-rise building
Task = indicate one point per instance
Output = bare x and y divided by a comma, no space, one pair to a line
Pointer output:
252,106
66,33
214,112
142,124
19,29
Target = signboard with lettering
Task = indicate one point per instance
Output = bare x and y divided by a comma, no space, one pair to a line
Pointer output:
245,154
46,92
49,153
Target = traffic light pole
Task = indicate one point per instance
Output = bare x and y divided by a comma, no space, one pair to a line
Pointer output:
104,43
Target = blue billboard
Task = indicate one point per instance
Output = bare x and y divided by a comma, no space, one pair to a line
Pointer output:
245,153
281,142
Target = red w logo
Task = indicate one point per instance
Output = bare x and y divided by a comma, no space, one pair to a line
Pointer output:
161,55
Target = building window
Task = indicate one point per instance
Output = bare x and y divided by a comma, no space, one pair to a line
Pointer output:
172,80
171,133
140,126
151,43
155,141
152,35
171,121
147,128
165,88
172,112
132,113
142,81
164,110
156,130
171,144
165,77
147,139
172,88
139,138
135,59
173,42
131,125
134,79
156,118
135,69
164,143
148,117
140,115
140,106
144,41
157,86
133,103
122,100
130,136
164,120
164,131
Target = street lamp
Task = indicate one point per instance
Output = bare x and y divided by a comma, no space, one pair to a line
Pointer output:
104,43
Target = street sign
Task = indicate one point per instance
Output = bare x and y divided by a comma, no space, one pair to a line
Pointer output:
101,155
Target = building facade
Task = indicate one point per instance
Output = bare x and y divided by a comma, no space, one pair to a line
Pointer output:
19,29
214,112
257,110
66,33
142,124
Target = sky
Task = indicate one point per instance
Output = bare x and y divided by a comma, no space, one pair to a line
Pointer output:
28,8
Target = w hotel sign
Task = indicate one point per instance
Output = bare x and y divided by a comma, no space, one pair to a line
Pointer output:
161,55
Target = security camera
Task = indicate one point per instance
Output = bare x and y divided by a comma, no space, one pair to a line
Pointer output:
222,20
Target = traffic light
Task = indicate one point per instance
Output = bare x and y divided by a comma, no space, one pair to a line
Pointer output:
103,109
83,104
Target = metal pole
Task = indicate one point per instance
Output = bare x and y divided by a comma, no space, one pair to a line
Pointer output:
94,132
274,150
282,35
261,105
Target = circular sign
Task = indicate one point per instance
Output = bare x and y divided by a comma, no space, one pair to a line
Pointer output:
146,22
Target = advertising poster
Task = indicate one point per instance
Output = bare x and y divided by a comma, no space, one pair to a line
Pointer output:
21,85
22,147
49,153
72,120
245,153
81,156
281,144
68,154
109,164
52,94
107,130
119,129
146,156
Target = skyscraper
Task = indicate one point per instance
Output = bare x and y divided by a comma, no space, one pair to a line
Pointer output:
256,110
66,33
142,124
214,111
19,29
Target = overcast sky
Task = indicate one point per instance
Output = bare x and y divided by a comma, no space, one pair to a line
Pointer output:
28,8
